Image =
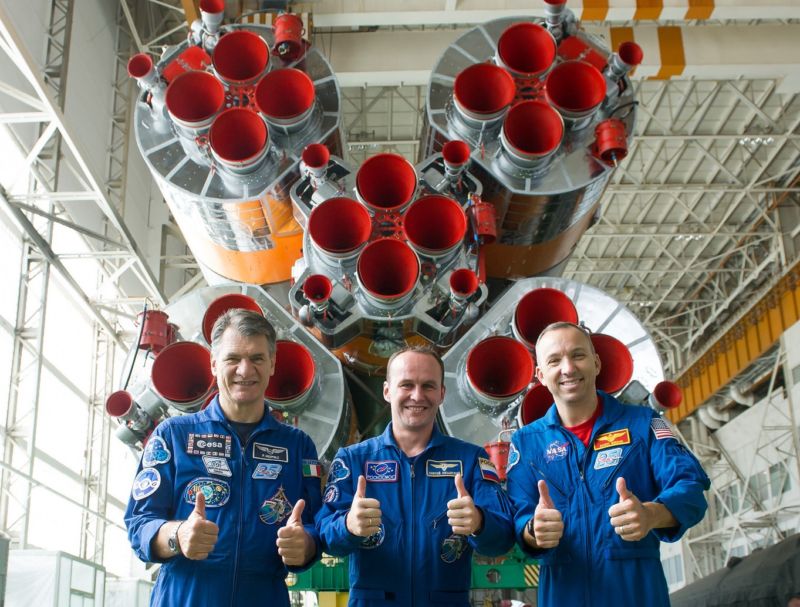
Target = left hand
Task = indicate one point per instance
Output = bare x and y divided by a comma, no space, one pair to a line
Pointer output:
294,543
630,519
462,514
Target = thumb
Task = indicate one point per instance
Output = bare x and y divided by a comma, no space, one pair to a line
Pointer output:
622,489
297,513
361,490
462,490
544,496
200,505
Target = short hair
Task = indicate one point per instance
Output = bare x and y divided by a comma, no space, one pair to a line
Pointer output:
247,323
417,349
563,324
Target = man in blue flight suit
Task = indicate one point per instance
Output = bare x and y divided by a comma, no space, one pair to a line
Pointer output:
410,506
597,484
225,498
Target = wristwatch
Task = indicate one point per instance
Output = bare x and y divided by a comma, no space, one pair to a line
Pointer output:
172,542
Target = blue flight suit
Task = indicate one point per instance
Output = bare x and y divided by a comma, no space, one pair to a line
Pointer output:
592,565
249,490
415,559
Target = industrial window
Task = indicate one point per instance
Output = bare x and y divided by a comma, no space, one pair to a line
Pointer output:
673,569
779,479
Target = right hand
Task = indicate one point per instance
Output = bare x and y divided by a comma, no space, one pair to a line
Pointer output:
364,518
197,535
548,526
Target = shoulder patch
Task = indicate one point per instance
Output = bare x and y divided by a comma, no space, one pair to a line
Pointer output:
215,491
209,444
339,471
614,438
444,468
217,465
156,452
266,471
270,453
312,467
331,494
513,457
488,470
381,472
661,428
146,483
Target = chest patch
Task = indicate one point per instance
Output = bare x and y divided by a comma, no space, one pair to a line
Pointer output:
268,472
381,472
275,509
209,444
453,547
146,483
156,452
270,453
614,438
556,450
216,492
608,459
439,468
217,465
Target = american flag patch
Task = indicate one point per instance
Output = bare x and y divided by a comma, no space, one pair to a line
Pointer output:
488,471
661,428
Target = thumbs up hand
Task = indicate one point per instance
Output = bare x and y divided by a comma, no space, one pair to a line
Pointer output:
462,514
197,535
364,518
630,519
294,543
547,525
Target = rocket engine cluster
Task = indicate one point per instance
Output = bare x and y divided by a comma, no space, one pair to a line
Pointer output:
240,127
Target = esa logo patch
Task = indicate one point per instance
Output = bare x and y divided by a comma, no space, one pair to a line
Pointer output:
338,472
275,509
146,483
215,491
608,459
270,453
156,452
381,472
209,444
450,468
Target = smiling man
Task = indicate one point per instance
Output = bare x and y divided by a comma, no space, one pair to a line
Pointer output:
597,484
225,498
410,506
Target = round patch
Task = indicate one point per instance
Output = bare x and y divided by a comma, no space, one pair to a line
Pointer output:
215,491
146,483
338,472
513,458
156,452
374,540
331,494
275,509
453,547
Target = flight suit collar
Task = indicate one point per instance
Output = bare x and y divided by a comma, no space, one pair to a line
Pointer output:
387,438
214,413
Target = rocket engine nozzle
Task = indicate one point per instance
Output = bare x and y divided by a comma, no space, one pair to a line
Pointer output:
317,289
627,57
539,308
576,89
482,93
181,374
535,404
498,370
290,385
616,363
532,133
315,159
455,155
194,99
386,183
240,58
142,68
285,97
222,304
388,271
666,394
526,49
239,140
212,12
463,284
339,228
435,226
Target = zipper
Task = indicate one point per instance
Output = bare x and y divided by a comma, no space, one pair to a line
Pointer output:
439,518
618,467
413,538
242,467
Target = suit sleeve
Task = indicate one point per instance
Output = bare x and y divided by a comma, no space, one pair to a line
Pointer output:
523,493
338,497
144,516
313,498
497,535
681,481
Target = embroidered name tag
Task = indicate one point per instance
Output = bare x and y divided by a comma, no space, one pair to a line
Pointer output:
270,453
209,444
612,439
381,472
450,467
